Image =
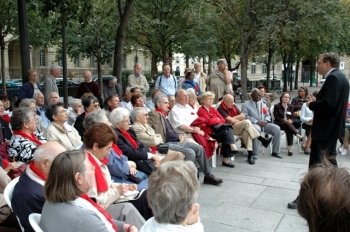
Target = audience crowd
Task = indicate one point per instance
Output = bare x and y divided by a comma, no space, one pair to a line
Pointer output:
124,166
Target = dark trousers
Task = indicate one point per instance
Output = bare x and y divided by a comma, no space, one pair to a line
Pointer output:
224,135
321,151
290,130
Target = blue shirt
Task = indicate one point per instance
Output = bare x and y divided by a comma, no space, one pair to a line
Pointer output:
167,85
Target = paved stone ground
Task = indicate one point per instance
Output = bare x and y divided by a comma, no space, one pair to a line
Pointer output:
255,197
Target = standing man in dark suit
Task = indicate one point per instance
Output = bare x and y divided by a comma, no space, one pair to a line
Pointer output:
329,112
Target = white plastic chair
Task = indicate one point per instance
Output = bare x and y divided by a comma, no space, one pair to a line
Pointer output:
34,220
8,195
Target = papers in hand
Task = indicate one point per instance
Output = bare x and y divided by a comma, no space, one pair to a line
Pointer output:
131,195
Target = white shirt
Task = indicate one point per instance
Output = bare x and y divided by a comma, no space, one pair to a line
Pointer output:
152,225
181,115
306,114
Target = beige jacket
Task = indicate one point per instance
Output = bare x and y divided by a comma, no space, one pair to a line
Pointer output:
67,136
147,135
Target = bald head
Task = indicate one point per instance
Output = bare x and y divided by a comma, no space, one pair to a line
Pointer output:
87,76
181,96
228,100
45,154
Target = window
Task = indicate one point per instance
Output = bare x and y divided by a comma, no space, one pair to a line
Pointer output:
42,57
92,62
253,68
136,59
264,69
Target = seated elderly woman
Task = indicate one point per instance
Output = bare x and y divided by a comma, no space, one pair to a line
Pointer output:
324,199
68,207
31,104
98,141
214,125
192,100
24,141
90,103
134,149
59,130
121,169
74,110
174,209
145,133
283,113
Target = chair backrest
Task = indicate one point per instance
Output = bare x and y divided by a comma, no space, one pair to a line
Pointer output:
9,191
34,220
271,113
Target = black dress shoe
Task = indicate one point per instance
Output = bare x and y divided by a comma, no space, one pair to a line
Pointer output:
293,204
229,164
276,155
255,157
251,160
290,153
211,179
265,141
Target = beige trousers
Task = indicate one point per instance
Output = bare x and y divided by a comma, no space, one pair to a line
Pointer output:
246,130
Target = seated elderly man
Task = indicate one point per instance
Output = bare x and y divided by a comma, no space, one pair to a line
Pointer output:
257,112
28,194
174,209
241,126
181,118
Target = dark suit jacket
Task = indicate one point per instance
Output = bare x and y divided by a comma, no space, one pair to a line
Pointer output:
278,113
28,197
129,150
330,108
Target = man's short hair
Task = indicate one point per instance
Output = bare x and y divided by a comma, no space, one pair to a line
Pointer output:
221,61
332,57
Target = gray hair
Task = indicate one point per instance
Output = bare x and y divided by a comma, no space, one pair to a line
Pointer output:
74,102
136,112
48,151
255,90
118,115
20,116
54,94
221,61
332,57
94,117
158,100
26,102
54,67
37,93
172,190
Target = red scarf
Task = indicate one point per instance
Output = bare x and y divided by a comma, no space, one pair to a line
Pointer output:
162,112
232,112
130,139
6,118
99,208
31,137
37,171
117,149
101,182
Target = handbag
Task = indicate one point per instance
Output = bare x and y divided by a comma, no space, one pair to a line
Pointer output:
163,148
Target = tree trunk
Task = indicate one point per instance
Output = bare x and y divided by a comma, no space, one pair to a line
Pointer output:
64,64
3,64
154,70
268,69
210,60
296,74
124,15
24,39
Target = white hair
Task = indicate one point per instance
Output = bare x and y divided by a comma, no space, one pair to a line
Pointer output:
118,115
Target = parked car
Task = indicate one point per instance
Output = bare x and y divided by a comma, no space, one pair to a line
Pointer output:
59,82
18,82
9,84
105,78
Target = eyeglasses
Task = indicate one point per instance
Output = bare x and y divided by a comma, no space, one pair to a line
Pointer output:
108,148
165,102
96,105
